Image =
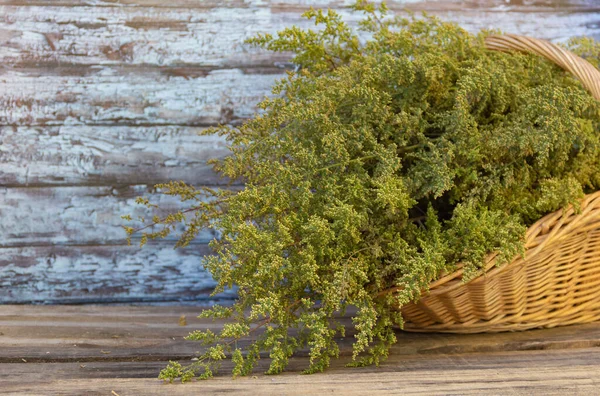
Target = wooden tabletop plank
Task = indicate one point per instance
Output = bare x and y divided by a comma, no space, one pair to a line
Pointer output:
536,373
83,332
69,350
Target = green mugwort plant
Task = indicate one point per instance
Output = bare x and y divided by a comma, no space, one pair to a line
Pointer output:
394,152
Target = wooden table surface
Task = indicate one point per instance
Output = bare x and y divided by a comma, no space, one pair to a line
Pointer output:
108,350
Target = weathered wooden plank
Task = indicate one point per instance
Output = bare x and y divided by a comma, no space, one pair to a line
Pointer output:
212,33
78,333
541,373
117,155
126,97
120,313
85,349
77,215
141,36
302,4
70,222
86,274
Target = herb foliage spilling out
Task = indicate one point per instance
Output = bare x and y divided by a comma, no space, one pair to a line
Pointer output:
378,165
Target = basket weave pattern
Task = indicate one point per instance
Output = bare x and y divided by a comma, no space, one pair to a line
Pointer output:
557,282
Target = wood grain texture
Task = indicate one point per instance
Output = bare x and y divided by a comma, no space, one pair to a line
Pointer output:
74,333
211,33
540,373
107,155
58,350
78,215
99,99
130,97
87,274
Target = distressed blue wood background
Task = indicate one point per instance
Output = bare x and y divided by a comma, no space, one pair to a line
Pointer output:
100,100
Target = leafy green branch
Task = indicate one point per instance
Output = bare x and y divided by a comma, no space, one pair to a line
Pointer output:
373,169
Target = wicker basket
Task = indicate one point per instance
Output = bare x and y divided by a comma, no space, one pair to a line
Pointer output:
556,283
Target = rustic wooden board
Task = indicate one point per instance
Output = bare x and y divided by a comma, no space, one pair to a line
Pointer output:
130,97
105,96
112,273
212,33
80,333
58,350
100,155
539,373
79,215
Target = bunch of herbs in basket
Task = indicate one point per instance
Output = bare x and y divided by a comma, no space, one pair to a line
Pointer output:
377,164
